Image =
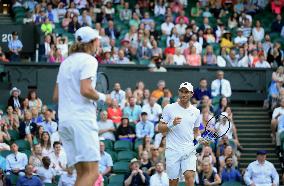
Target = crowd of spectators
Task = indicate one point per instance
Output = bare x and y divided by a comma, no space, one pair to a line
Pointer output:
214,33
132,116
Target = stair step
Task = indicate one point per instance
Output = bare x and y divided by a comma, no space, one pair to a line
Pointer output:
265,130
253,155
254,140
263,121
248,113
249,134
249,126
248,109
252,117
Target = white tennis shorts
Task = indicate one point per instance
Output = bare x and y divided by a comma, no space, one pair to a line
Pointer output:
80,140
177,163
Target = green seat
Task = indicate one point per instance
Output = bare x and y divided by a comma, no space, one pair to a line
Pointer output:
5,153
121,167
117,179
113,155
137,143
50,184
125,156
14,135
14,179
108,144
57,178
282,137
231,183
23,145
144,62
122,145
27,152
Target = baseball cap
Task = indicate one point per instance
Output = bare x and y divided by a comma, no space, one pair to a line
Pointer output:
186,85
86,34
261,152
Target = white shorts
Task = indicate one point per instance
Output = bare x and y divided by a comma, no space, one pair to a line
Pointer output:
177,163
80,140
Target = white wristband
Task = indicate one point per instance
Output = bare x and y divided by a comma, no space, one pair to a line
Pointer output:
171,125
102,97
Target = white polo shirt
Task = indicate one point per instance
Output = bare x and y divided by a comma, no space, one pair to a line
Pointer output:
181,136
72,105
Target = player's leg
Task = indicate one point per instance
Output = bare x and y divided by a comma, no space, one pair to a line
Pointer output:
189,177
173,182
87,173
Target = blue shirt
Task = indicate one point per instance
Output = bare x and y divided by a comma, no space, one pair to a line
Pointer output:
15,44
231,175
144,129
50,127
26,181
198,93
281,123
37,120
2,163
132,113
105,162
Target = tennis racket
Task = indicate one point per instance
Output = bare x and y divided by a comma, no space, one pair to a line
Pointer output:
102,85
215,128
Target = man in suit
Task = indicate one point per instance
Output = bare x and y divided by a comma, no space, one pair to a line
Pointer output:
27,128
143,51
112,32
44,49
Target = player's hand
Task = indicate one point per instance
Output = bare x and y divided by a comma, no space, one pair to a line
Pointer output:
177,120
108,99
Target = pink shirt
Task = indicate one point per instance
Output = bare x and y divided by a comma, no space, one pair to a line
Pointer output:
193,60
99,181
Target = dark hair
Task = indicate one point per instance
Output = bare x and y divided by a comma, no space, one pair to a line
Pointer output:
201,79
229,157
56,143
144,113
46,161
30,94
48,142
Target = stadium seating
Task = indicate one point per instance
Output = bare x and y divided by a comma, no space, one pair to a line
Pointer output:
122,145
23,145
108,144
121,167
116,180
5,153
125,156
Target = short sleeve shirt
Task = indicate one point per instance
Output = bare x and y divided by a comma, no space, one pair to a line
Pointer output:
181,136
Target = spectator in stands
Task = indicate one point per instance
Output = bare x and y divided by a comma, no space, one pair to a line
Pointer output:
277,25
276,6
247,28
135,20
160,177
145,163
133,111
178,58
85,19
143,51
261,171
262,63
34,100
49,125
121,59
173,36
55,56
240,39
125,131
46,144
74,25
233,21
160,8
40,17
207,152
30,5
232,60
58,158
209,58
73,10
196,11
46,27
166,97
66,20
153,109
15,100
3,56
193,59
15,163
275,115
220,86
46,173
29,178
167,26
126,13
274,55
170,50
11,119
136,176
36,157
118,94
45,48
36,118
106,126
114,112
226,41
106,163
228,152
205,101
159,92
229,173
207,176
15,47
111,31
267,43
27,128
146,145
144,127
68,177
258,32
52,14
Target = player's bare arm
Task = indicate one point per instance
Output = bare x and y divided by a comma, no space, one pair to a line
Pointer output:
163,127
55,93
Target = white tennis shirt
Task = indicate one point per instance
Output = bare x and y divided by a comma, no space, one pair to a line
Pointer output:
181,136
72,105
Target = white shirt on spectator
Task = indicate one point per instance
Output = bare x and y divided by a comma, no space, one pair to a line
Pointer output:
80,3
47,48
261,174
167,28
179,60
119,96
240,40
263,64
181,28
277,111
159,179
74,11
108,124
226,88
181,136
16,161
55,160
105,162
258,35
46,152
67,180
159,10
153,112
46,175
198,47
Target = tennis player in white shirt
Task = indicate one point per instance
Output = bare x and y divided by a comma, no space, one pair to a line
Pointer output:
180,122
76,93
